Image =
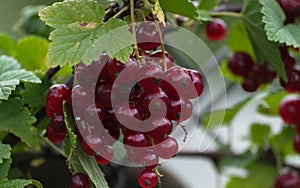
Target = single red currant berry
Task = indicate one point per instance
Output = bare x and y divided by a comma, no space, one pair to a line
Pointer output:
105,156
250,84
240,64
158,57
147,178
166,149
147,35
159,129
80,180
179,110
103,94
290,109
135,139
94,114
288,180
148,158
55,97
81,97
197,80
216,30
293,83
56,130
127,114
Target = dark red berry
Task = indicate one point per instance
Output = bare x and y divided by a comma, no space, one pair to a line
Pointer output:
96,142
290,109
293,82
103,94
166,149
55,97
197,80
147,178
147,36
250,84
105,156
240,64
80,180
81,97
159,129
179,110
135,139
291,8
216,30
288,180
56,130
158,57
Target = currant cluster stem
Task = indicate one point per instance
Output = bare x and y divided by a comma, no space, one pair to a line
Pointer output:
162,46
135,47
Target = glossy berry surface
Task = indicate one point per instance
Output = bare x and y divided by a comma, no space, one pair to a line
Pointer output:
290,109
288,180
147,178
167,149
240,64
80,180
158,56
216,30
250,84
54,99
56,130
147,36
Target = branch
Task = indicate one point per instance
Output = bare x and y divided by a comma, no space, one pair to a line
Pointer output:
228,7
51,72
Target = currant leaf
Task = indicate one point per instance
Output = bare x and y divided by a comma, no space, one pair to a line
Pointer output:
11,75
19,183
4,167
274,17
183,7
83,36
70,123
4,152
265,50
17,120
90,166
208,4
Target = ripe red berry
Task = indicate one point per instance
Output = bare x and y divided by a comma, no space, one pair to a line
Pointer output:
240,64
250,84
55,97
288,180
291,8
135,139
293,83
158,57
290,109
179,110
159,129
80,180
166,149
56,130
147,36
216,30
147,178
105,156
95,142
197,80
81,97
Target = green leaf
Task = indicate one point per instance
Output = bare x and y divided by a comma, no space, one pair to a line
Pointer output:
72,11
19,183
283,142
4,152
4,168
236,34
116,33
11,75
203,15
259,175
17,120
223,117
31,53
92,169
270,104
259,134
34,94
208,4
274,18
79,36
7,44
70,123
182,7
265,50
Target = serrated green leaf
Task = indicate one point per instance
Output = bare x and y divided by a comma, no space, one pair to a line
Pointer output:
259,175
11,75
70,124
283,142
4,152
116,33
208,4
236,34
19,183
7,44
31,53
4,168
270,104
17,120
265,50
72,11
223,117
259,134
34,94
274,18
91,168
182,7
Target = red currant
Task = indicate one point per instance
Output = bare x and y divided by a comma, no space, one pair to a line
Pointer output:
147,36
56,130
166,149
158,57
147,178
80,180
290,109
216,30
55,97
240,64
105,156
288,180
